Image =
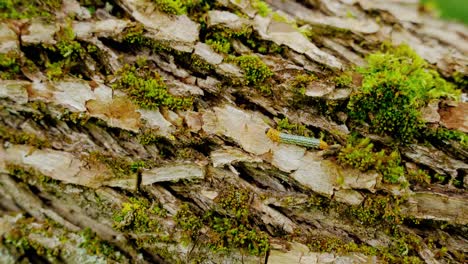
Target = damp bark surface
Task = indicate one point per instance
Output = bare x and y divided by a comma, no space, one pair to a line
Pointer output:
134,131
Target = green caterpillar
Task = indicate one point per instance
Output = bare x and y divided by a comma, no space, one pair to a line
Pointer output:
277,136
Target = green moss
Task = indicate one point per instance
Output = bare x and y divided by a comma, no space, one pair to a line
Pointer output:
67,54
220,39
138,215
96,246
121,167
338,246
197,64
148,138
361,155
147,89
460,79
19,9
230,228
188,221
378,210
344,80
29,175
221,45
16,137
280,18
262,46
419,177
441,134
284,125
235,229
262,8
79,118
10,65
300,82
176,7
396,85
256,71
25,233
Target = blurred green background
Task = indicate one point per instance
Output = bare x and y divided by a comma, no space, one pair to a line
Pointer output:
451,9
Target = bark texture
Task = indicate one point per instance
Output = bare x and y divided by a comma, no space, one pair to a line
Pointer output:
133,131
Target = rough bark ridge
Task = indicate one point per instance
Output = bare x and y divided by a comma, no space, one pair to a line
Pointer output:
133,131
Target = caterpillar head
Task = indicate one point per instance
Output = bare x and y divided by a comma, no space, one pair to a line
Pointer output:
273,134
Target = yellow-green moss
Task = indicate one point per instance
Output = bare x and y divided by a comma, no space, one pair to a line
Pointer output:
256,71
197,64
230,226
378,210
338,246
139,215
17,137
147,89
396,84
176,7
121,167
19,237
343,80
441,134
95,246
262,8
68,54
235,230
300,82
298,129
188,221
29,175
360,154
9,65
18,9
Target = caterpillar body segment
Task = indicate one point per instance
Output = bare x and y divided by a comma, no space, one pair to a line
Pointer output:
310,142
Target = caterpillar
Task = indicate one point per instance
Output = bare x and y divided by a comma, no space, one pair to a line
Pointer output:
277,136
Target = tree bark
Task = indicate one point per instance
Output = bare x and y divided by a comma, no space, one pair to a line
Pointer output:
133,131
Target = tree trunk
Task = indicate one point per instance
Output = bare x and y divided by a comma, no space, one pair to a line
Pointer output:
134,131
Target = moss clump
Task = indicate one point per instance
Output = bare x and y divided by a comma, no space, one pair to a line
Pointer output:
121,168
361,155
19,9
96,246
218,44
19,238
256,71
67,54
231,228
378,210
334,244
188,221
9,65
300,82
396,85
199,65
138,215
262,7
176,7
147,89
419,177
343,80
460,79
220,40
284,125
441,134
16,137
29,175
235,229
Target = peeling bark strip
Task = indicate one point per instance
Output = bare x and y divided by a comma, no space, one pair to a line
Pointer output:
133,131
